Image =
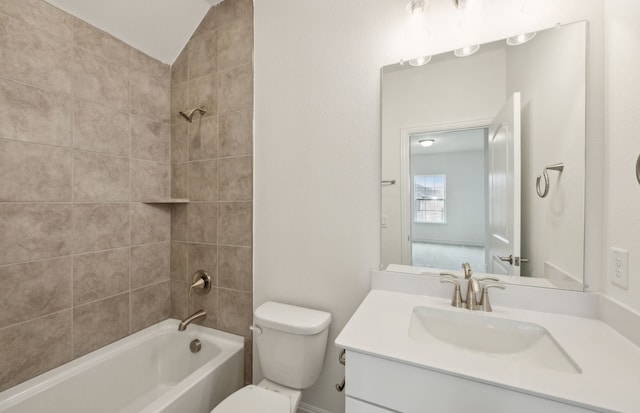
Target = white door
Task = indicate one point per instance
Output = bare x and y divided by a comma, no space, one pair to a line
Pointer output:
503,245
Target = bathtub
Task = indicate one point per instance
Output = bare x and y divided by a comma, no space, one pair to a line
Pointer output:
150,371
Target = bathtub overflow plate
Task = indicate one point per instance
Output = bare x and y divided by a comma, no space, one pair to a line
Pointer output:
195,345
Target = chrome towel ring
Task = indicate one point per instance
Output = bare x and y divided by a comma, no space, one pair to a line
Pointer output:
543,193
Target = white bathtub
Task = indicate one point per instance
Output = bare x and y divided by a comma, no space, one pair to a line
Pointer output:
150,371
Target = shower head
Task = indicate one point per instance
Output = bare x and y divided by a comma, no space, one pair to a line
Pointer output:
188,115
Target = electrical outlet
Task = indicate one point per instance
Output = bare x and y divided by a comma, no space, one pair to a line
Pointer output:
619,267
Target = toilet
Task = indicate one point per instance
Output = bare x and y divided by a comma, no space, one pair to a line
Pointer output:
291,342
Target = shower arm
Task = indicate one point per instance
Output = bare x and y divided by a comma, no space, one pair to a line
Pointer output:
188,115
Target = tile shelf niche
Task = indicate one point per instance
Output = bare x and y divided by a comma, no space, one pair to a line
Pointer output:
166,201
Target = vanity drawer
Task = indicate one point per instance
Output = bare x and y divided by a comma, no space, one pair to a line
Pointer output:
408,389
358,406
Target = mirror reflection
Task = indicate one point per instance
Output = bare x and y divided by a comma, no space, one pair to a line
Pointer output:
487,154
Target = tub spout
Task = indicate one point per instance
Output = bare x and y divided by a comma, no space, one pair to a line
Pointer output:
193,317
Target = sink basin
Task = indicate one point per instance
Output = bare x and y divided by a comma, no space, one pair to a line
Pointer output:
518,342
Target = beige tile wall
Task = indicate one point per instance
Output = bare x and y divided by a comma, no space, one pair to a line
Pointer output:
84,135
212,165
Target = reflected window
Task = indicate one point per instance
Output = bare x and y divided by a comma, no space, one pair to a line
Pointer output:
430,203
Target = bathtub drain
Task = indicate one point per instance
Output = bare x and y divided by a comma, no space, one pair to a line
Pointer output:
195,346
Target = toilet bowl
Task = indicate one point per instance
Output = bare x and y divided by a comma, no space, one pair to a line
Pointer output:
291,343
265,397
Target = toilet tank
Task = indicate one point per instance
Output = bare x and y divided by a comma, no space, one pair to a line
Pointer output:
292,343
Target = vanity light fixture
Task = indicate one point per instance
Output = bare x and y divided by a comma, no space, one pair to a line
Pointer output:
466,51
416,7
520,39
425,143
420,61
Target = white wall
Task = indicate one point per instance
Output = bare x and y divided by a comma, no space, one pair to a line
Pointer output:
623,143
549,73
464,197
317,134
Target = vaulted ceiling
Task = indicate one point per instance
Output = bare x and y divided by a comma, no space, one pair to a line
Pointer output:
159,28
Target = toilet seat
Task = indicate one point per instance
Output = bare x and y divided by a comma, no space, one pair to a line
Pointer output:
254,399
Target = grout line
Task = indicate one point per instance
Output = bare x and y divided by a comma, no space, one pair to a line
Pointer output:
70,309
45,203
97,300
235,290
244,155
80,254
73,305
153,284
72,149
130,194
211,244
73,224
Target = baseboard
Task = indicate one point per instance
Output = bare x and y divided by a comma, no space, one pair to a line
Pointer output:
307,408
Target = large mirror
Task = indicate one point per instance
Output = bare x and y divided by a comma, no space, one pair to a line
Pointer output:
483,160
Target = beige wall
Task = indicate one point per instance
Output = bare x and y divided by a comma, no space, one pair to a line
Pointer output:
212,165
84,136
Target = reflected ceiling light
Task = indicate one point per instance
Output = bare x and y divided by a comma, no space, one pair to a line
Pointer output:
520,39
460,3
425,143
420,61
416,7
466,51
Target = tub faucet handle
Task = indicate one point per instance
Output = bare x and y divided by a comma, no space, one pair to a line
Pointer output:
201,282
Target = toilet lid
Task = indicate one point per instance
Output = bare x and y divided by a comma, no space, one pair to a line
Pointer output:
254,399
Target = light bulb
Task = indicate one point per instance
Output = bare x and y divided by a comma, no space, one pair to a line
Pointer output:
425,143
466,51
520,39
420,61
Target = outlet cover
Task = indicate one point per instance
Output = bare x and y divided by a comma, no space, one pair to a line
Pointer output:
619,267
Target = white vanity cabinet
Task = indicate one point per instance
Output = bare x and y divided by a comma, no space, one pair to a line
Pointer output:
412,353
377,385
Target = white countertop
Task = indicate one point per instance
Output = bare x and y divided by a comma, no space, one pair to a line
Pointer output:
610,378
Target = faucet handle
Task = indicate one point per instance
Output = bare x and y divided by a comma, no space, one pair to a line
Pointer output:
489,279
448,274
456,301
450,280
201,282
485,305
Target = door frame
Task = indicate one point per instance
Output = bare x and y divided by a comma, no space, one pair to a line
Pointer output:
405,171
